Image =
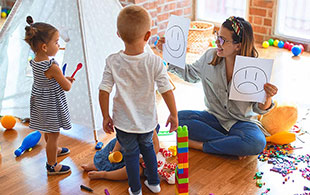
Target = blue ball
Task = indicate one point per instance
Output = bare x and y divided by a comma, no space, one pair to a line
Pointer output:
281,44
296,50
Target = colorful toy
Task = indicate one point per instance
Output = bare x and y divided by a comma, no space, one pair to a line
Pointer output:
181,176
86,188
173,150
286,44
78,67
115,157
166,153
281,138
265,44
270,41
296,50
275,43
8,121
98,145
281,44
29,142
290,46
301,47
280,118
64,69
3,14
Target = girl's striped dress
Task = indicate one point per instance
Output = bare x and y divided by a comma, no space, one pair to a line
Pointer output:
48,105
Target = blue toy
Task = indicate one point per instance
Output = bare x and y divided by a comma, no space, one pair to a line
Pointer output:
64,69
296,50
281,44
99,146
29,142
156,41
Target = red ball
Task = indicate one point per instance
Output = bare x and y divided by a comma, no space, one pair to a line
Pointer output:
291,45
301,47
286,44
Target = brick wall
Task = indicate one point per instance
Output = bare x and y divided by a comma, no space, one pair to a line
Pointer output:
161,10
262,17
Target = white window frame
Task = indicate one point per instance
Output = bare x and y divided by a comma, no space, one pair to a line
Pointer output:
277,29
219,23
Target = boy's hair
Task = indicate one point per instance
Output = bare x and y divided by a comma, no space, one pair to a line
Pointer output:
38,32
242,33
133,22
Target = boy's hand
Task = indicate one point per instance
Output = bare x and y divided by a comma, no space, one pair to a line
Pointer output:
160,43
270,90
174,123
108,125
71,79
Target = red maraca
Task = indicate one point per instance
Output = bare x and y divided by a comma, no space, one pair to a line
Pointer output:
78,67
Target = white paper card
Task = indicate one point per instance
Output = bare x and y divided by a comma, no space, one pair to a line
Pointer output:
249,76
174,50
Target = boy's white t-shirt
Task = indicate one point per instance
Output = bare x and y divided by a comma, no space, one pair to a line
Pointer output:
134,108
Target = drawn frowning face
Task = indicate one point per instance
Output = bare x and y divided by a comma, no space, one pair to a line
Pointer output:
175,48
249,80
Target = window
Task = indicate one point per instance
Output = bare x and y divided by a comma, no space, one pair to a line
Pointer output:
218,11
293,20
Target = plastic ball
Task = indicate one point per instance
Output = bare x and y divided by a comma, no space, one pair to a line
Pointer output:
276,42
286,44
291,45
8,121
296,50
302,48
281,44
270,41
265,44
3,14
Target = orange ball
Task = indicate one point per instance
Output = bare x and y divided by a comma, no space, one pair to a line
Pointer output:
8,121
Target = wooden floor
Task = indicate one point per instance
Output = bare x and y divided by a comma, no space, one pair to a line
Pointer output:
208,173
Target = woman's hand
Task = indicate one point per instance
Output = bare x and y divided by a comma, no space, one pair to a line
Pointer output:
160,43
108,125
270,90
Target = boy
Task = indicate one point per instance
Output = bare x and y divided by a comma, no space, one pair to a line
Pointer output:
134,74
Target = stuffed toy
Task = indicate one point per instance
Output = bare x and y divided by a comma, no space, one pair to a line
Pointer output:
280,118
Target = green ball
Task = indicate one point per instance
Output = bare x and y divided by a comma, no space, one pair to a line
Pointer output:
270,41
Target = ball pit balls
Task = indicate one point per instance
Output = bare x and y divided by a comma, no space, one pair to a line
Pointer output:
296,50
286,44
265,44
291,45
275,43
270,41
3,14
281,44
8,121
301,47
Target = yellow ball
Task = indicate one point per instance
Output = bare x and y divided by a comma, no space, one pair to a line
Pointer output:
3,14
8,121
265,44
275,43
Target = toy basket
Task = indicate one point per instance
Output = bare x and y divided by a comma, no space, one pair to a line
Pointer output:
199,36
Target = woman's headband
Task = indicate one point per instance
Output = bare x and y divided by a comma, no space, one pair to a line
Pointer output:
236,25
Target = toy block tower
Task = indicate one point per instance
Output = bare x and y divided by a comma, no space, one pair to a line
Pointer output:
181,172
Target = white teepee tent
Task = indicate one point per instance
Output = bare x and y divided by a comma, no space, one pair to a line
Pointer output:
90,30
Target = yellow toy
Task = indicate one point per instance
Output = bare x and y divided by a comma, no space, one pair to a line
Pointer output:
8,121
280,118
281,138
173,150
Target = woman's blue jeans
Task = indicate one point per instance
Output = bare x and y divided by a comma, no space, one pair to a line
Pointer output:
243,139
134,144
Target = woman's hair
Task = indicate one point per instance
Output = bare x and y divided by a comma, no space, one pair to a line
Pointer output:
242,33
38,32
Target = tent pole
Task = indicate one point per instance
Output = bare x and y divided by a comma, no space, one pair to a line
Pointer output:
84,45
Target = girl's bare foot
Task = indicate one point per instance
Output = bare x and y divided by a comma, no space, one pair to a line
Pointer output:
195,145
242,157
89,167
96,174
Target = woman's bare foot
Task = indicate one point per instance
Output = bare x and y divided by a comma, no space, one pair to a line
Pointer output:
96,174
89,167
195,145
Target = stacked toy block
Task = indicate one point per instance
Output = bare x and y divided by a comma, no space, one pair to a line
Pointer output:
181,176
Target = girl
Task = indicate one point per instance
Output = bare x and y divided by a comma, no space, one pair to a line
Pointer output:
228,126
48,105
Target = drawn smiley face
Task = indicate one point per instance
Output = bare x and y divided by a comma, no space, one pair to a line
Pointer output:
250,80
175,41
